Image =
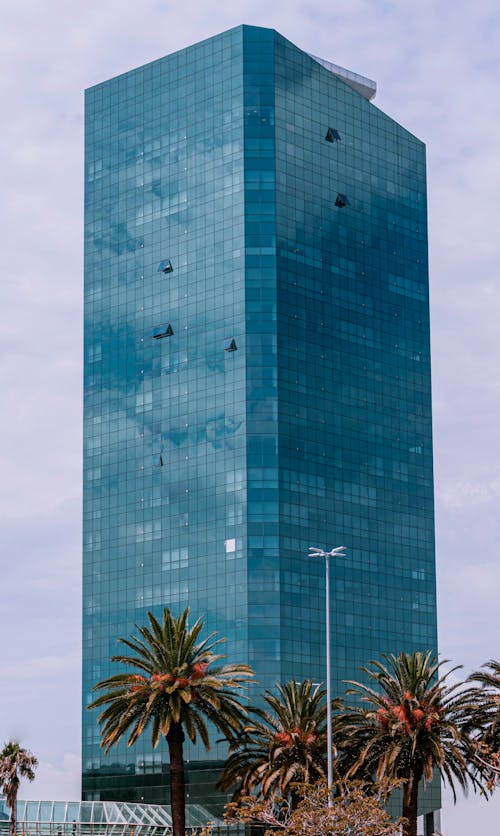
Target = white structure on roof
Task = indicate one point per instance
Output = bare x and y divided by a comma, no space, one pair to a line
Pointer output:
366,87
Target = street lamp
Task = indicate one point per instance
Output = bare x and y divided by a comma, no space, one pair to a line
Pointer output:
338,552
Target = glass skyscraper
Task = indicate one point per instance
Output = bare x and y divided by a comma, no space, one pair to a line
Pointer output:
257,373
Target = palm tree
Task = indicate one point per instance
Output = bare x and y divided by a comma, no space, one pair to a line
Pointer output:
486,719
15,763
413,725
285,744
177,690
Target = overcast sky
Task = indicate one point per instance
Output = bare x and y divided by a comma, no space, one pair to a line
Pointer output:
437,66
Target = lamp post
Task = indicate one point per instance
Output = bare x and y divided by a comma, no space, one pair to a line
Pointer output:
338,552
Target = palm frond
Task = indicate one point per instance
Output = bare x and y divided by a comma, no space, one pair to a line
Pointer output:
179,683
282,744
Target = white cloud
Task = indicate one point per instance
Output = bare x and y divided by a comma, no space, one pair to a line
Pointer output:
42,667
55,782
474,814
464,493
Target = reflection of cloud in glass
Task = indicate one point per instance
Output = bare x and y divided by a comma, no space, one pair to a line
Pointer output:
219,429
117,238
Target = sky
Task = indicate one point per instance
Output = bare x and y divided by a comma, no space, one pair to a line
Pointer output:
437,66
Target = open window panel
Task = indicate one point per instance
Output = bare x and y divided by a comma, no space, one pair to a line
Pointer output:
165,266
163,331
332,135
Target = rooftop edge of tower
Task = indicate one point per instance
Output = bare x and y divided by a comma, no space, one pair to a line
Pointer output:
363,85
366,87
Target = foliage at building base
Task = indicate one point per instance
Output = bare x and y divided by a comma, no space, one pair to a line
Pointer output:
353,809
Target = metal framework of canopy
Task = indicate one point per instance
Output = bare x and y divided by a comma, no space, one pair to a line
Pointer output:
104,818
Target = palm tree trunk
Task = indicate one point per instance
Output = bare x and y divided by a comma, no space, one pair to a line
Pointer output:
410,804
13,821
175,739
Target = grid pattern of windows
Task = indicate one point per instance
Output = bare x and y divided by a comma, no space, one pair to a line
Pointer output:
257,372
165,414
355,444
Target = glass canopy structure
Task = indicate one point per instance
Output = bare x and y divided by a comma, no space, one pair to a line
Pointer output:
107,818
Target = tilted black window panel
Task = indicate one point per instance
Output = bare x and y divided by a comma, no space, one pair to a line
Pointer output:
163,331
165,266
332,135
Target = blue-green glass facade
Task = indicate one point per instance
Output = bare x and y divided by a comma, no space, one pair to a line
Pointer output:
257,373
